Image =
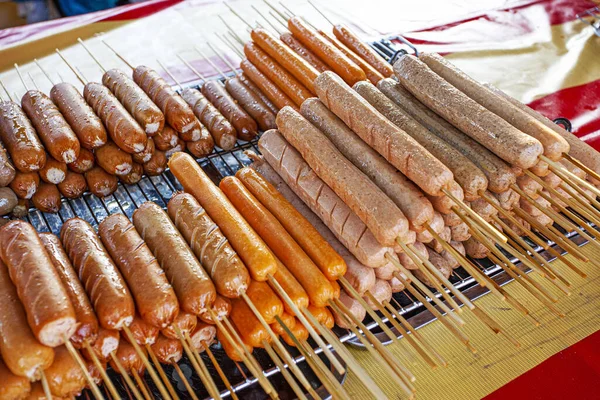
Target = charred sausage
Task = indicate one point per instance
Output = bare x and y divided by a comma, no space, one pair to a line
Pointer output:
20,138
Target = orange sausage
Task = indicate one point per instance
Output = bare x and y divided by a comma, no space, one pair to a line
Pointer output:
265,300
106,342
204,333
303,52
143,333
128,358
221,307
323,315
249,246
287,319
13,386
311,241
273,92
299,331
65,378
230,349
279,241
186,323
292,288
354,43
167,350
250,328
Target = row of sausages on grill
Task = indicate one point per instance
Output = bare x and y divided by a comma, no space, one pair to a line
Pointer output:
66,143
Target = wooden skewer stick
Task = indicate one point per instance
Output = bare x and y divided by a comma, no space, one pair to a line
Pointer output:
43,71
118,55
161,372
46,387
94,388
32,80
125,375
320,12
581,165
184,380
91,54
212,64
232,31
288,11
202,364
75,71
192,68
224,59
278,11
217,366
271,24
151,371
284,372
107,381
21,76
7,93
559,170
169,73
582,199
238,15
141,385
231,45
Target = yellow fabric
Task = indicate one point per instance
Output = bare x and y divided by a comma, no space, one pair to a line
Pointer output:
497,361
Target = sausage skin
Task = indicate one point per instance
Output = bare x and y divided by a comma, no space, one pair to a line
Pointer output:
20,138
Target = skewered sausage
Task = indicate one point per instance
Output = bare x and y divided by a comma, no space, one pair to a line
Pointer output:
13,387
122,127
251,103
202,147
105,344
382,291
8,201
250,247
203,333
191,283
154,297
466,114
84,162
38,284
354,43
7,170
212,249
58,137
292,288
254,89
444,204
166,139
23,354
300,333
250,329
129,358
271,90
475,249
157,164
185,322
87,329
265,300
101,183
401,150
53,171
221,308
287,319
145,155
114,160
167,351
143,333
231,349
20,138
137,103
355,308
85,123
322,315
101,278
73,186
303,52
64,376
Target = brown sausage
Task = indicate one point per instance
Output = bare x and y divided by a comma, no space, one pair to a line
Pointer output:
180,146
499,174
484,209
405,194
134,176
376,210
358,46
53,171
303,52
177,113
300,333
203,333
154,297
87,329
355,308
87,126
554,144
529,186
451,219
221,307
37,393
47,198
401,150
7,170
202,147
255,89
443,204
223,133
185,322
20,138
73,186
250,328
460,232
167,350
507,199
251,103
331,55
38,284
8,201
143,333
145,155
157,164
106,343
344,223
487,128
64,376
133,98
230,276
273,92
216,93
101,278
129,358
13,387
166,139
114,160
84,162
21,351
121,126
191,283
58,137
101,183
382,291
231,349
475,249
25,184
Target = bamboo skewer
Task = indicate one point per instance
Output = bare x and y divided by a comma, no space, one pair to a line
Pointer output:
202,364
91,54
141,385
184,381
284,372
126,377
215,363
107,381
118,55
46,387
569,177
161,372
75,355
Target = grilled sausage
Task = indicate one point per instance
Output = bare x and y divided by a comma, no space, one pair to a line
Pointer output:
25,184
129,358
145,155
405,194
362,278
300,333
185,322
53,171
292,288
344,223
250,329
203,333
134,176
288,84
507,199
396,285
21,209
270,89
554,144
166,139
303,52
287,319
106,343
95,371
101,278
87,323
202,147
221,307
8,201
191,283
122,127
466,114
114,160
251,103
13,387
181,146
211,247
332,56
84,162
177,113
437,224
154,297
20,138
529,186
231,349
143,333
216,93
223,133
46,198
475,249
390,141
64,376
376,210
100,183
137,103
37,283
85,123
167,351
460,232
157,164
358,46
386,272
250,247
255,89
322,254
499,174
279,241
23,354
444,204
322,315
355,308
407,262
382,291
56,134
7,170
73,186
